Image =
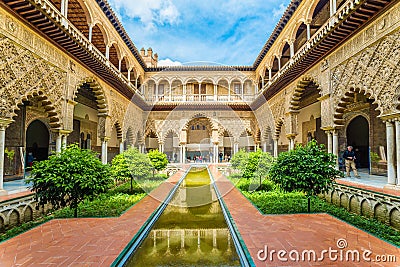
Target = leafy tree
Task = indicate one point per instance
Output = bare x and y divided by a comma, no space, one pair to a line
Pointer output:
308,169
158,160
265,163
239,160
69,177
131,164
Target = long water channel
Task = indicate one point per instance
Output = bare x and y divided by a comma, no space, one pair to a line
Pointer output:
191,231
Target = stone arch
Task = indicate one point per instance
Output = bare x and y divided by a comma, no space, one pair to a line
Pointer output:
336,195
2,221
101,98
344,201
394,216
354,205
167,132
381,212
27,213
118,127
344,101
75,15
299,91
366,208
53,114
278,127
13,217
213,124
100,37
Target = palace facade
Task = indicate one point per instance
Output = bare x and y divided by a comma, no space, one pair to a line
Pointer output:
69,73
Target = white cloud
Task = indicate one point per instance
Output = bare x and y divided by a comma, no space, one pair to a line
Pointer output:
168,62
149,12
278,12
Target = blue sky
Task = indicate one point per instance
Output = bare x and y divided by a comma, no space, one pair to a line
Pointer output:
230,32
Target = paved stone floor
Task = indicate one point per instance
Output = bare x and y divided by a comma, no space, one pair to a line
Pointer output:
97,242
299,232
81,242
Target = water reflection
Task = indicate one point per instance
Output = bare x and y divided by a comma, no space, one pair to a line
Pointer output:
192,230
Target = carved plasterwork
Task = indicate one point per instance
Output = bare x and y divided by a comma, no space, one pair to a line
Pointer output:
24,75
374,72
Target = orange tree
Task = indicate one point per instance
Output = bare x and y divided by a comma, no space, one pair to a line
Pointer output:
68,178
307,169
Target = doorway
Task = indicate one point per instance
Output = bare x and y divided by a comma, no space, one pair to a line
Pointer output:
357,134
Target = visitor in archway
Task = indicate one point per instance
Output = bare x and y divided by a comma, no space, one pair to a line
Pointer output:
349,157
29,160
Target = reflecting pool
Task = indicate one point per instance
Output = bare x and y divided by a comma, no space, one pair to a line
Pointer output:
191,231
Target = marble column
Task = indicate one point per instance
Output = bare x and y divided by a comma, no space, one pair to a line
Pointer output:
3,125
329,135
104,144
308,31
121,146
265,147
58,143
335,147
184,154
390,153
397,126
276,147
64,140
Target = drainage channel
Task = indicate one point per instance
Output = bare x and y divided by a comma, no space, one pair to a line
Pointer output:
191,228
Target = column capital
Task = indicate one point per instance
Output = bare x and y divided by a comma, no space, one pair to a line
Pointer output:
4,122
105,139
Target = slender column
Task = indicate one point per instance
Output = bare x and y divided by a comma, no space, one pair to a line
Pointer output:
3,125
229,91
335,147
58,143
269,75
161,147
242,87
332,7
329,134
121,146
108,52
129,76
308,31
156,92
215,92
2,147
390,153
291,44
104,150
170,92
262,82
184,153
397,125
119,65
180,154
64,140
276,147
184,92
265,147
235,147
90,33
279,62
199,91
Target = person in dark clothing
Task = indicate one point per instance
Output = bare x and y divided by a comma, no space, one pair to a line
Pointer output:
349,157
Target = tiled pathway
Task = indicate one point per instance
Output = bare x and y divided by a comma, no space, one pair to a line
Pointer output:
97,242
81,242
296,232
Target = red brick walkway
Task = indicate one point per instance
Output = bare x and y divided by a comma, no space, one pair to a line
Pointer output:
81,242
297,232
97,242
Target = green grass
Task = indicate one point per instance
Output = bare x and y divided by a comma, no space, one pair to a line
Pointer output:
111,204
275,201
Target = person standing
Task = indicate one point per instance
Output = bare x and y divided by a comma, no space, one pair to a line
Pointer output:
349,157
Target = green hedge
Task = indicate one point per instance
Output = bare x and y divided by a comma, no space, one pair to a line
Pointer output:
275,201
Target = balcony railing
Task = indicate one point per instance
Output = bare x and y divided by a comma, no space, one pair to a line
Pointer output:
80,38
340,14
200,98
